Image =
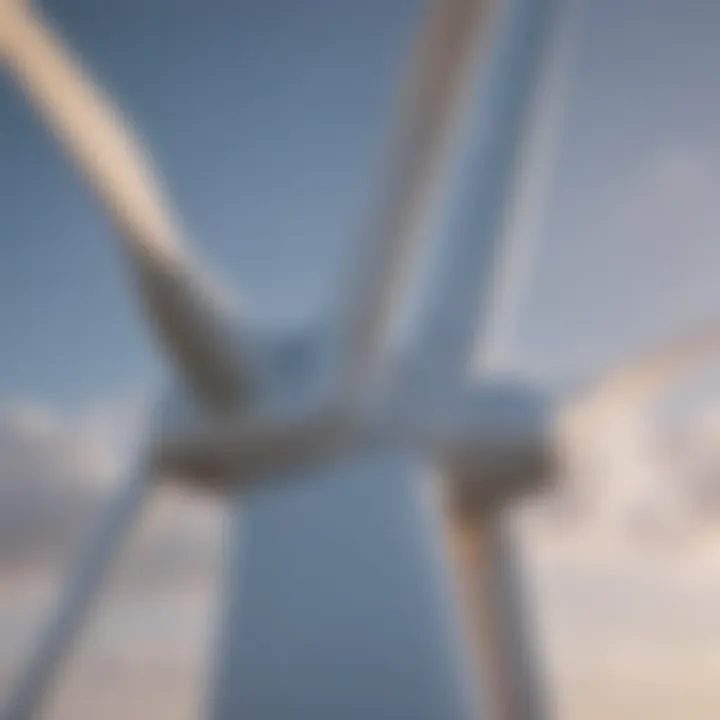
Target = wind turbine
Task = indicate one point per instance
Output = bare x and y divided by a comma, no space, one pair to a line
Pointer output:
237,416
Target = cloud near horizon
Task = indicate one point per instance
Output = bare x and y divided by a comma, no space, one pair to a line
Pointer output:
57,473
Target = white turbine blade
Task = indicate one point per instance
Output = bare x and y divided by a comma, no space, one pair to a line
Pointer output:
91,128
191,320
630,390
434,93
32,687
461,303
481,542
530,201
492,605
640,380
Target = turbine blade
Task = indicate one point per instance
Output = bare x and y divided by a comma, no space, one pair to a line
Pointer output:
75,603
432,96
631,388
639,381
480,540
486,564
190,318
462,296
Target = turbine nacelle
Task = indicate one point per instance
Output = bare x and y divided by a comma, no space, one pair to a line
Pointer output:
494,440
497,442
287,414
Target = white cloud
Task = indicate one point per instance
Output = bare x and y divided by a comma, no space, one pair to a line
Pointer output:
155,619
56,474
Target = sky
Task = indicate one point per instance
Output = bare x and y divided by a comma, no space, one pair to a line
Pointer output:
213,97
266,118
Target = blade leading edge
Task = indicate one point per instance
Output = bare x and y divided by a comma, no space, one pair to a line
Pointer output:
190,315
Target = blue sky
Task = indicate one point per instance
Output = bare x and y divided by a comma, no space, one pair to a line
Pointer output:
630,251
265,119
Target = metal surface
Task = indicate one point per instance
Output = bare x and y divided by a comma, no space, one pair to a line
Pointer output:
457,322
498,616
188,312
